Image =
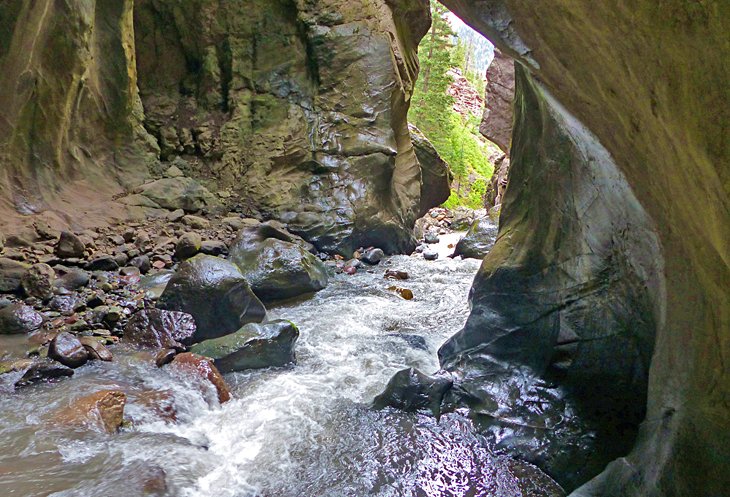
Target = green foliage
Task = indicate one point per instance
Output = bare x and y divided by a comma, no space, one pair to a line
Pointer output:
456,139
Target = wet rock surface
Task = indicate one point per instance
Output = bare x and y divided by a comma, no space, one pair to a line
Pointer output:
411,390
68,350
19,319
478,241
252,347
203,369
101,411
215,293
160,329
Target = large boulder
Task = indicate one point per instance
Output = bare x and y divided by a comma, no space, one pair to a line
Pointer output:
178,193
252,347
496,123
215,293
479,239
17,319
411,390
277,269
160,329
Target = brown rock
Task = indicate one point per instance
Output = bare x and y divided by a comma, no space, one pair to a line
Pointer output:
203,368
101,411
496,123
97,350
68,350
69,246
38,281
160,329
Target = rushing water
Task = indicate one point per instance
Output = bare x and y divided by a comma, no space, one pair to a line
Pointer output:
305,430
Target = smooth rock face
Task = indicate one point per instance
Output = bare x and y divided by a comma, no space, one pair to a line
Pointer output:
478,241
436,176
17,319
101,411
160,329
565,307
649,98
68,350
215,293
496,123
254,346
306,117
411,390
204,369
278,270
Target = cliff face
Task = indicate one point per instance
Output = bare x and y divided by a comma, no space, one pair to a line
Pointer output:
633,76
298,107
496,123
71,115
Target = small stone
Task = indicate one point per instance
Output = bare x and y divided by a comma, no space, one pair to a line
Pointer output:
66,349
121,259
213,247
97,350
403,292
71,278
430,254
142,262
203,368
187,246
101,411
102,263
233,222
69,246
394,274
117,239
175,216
196,222
173,172
431,237
130,271
165,356
42,370
372,256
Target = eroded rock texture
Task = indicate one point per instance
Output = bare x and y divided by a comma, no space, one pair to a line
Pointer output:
496,123
299,105
648,79
70,118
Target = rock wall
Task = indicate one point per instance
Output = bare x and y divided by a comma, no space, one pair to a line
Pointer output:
298,105
496,123
648,79
70,118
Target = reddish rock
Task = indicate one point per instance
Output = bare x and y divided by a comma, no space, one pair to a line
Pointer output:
204,369
97,350
160,329
101,411
68,350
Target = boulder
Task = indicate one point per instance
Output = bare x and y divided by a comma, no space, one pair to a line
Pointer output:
96,349
278,269
71,278
101,411
11,274
436,176
430,254
496,123
372,256
68,350
160,329
38,281
203,369
187,246
102,262
195,222
463,218
43,370
478,241
69,246
252,347
17,319
411,390
178,193
215,293
213,247
431,237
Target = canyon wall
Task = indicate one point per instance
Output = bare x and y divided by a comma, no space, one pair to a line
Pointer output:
649,80
296,107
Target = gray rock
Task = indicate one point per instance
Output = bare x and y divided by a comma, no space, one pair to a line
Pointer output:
217,295
431,237
196,222
102,263
478,241
213,247
11,274
372,256
43,370
430,254
19,319
252,347
69,246
142,262
187,246
178,193
411,390
175,216
71,278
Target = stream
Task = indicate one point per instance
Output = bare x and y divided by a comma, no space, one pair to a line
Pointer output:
305,430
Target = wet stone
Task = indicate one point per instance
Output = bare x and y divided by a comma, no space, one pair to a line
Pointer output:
372,256
18,319
43,370
68,350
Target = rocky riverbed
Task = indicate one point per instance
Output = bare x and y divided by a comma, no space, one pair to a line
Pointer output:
159,359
